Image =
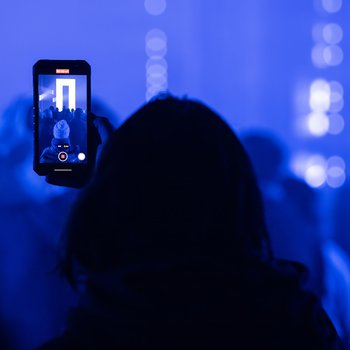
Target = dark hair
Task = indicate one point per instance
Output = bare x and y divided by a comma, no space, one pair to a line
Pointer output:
173,183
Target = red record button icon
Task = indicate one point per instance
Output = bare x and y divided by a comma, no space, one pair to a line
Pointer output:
62,156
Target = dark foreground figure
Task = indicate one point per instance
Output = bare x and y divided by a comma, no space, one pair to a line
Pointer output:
168,247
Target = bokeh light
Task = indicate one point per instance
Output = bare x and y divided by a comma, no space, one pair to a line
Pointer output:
317,56
318,123
333,55
335,176
332,33
312,168
156,65
336,124
336,106
320,96
315,175
336,161
332,6
156,43
155,7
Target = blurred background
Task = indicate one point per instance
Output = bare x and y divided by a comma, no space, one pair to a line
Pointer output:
276,71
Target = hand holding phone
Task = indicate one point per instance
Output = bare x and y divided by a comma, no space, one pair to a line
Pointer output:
64,137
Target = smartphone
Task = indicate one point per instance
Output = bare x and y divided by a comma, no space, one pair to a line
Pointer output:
62,103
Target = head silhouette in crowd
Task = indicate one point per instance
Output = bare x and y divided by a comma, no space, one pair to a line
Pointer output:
266,153
60,143
168,248
291,212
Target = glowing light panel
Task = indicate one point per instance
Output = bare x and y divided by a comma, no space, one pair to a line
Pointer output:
60,83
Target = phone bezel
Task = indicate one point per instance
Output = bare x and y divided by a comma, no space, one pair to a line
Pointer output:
76,67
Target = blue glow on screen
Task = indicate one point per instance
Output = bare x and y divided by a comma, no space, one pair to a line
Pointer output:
62,118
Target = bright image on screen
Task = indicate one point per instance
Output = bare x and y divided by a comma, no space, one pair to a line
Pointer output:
62,119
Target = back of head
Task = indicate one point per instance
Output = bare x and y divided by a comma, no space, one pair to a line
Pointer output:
162,231
173,183
61,130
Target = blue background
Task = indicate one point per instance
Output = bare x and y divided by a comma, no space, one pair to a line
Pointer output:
250,60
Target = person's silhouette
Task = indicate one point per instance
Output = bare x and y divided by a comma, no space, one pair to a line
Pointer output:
60,145
290,205
336,255
168,249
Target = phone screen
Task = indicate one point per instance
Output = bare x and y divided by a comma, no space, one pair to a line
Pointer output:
62,118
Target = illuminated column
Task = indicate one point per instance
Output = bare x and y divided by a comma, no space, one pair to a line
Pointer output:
70,83
325,99
156,49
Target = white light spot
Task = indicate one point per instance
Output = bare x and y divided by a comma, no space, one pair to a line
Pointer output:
320,95
332,6
336,106
317,56
156,65
335,176
81,156
315,175
336,124
336,161
156,70
298,164
154,90
157,80
336,87
301,162
156,62
336,97
156,33
333,55
156,44
318,124
332,33
155,7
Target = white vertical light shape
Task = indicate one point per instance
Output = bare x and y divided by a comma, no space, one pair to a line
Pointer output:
60,83
156,66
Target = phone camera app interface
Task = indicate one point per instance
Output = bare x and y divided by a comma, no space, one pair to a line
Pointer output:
62,118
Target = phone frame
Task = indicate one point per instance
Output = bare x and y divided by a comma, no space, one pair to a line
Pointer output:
48,67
